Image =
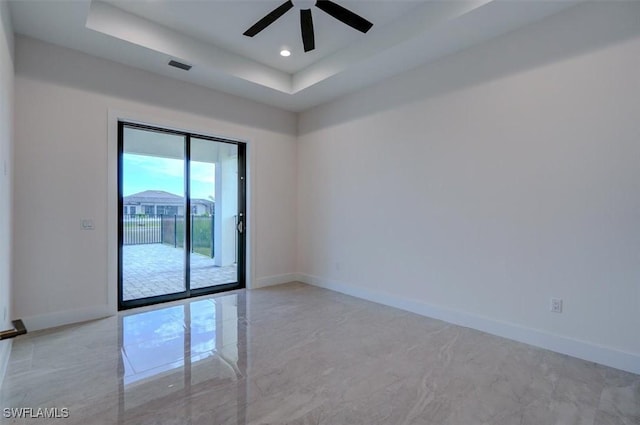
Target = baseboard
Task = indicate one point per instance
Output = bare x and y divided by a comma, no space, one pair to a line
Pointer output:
66,317
584,350
275,280
5,352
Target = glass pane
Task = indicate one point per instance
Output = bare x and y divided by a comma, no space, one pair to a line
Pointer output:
153,259
214,210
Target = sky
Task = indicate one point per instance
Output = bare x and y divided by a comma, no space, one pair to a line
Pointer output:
141,172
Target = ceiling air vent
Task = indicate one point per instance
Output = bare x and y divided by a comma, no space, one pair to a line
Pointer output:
180,65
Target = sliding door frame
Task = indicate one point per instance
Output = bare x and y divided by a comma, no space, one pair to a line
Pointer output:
242,218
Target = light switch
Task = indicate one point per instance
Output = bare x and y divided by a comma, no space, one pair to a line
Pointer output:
87,224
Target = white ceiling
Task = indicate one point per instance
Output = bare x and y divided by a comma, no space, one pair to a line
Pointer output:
222,23
208,35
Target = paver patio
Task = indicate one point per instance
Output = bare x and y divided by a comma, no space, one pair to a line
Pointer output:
157,269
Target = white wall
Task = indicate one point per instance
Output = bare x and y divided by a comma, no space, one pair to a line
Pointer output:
63,103
476,188
473,189
6,167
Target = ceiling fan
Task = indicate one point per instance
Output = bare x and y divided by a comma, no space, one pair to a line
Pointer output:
306,21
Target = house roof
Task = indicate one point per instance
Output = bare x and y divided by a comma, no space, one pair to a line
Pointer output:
153,197
202,201
161,197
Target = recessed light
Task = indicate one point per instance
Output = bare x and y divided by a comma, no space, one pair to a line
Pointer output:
285,53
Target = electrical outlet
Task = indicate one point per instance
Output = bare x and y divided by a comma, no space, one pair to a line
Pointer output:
556,305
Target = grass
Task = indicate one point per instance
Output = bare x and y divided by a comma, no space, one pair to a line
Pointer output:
201,235
206,251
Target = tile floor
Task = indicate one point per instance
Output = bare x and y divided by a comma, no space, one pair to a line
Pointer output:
295,354
157,269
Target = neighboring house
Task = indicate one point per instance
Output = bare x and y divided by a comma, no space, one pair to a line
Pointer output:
159,202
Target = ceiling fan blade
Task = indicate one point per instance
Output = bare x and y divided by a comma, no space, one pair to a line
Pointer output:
269,19
306,25
344,15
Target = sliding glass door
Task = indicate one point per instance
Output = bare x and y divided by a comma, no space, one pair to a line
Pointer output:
182,215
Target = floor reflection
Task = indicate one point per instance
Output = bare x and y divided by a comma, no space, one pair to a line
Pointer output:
176,352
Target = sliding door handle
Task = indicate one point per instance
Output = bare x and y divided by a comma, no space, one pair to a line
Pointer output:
18,329
240,226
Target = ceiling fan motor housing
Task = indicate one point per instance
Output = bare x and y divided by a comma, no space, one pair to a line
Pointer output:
303,4
306,19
